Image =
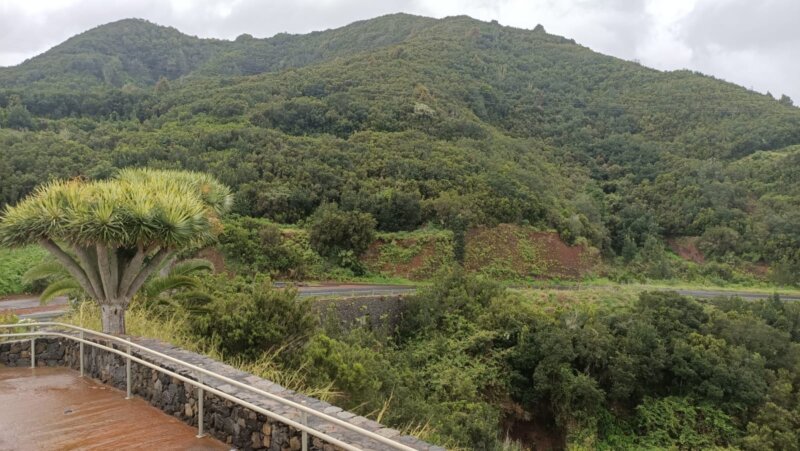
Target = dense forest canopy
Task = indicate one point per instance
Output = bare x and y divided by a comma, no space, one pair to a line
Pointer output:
451,122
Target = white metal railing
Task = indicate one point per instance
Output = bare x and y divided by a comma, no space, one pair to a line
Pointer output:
306,430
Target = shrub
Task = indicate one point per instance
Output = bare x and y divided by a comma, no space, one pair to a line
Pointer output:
454,293
356,370
257,245
718,241
785,272
682,423
246,319
13,264
341,235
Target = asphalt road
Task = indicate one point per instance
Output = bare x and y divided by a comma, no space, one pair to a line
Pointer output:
30,308
354,290
742,294
29,302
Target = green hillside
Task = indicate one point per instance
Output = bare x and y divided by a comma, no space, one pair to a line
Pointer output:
140,52
130,50
453,122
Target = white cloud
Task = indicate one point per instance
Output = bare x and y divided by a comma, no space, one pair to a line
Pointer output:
662,46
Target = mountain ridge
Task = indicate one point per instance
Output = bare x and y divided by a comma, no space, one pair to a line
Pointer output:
115,65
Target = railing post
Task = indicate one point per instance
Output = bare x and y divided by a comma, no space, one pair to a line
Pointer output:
128,370
33,345
304,436
81,352
200,396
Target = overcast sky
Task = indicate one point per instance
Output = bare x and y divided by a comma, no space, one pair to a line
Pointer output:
754,43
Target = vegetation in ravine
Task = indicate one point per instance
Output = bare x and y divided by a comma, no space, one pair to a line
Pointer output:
475,366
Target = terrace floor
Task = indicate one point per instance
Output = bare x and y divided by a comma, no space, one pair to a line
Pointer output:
54,408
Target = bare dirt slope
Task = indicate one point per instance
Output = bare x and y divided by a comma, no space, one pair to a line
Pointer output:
512,251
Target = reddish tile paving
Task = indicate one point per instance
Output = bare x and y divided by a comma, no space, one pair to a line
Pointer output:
56,409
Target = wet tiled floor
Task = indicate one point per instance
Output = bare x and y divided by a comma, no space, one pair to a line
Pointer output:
56,409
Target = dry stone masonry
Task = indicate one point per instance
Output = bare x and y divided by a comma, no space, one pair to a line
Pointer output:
374,312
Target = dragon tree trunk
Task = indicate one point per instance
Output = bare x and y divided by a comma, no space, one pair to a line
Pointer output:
113,316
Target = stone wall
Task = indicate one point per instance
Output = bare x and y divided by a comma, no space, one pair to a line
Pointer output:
49,352
374,312
231,423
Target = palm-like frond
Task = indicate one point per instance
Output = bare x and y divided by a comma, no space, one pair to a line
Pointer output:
194,302
180,277
163,284
213,194
171,209
48,269
62,287
192,266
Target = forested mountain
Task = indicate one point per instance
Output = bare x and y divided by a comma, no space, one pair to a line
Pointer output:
452,122
129,50
137,51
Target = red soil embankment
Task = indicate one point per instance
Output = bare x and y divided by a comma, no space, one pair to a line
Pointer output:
686,248
416,264
511,251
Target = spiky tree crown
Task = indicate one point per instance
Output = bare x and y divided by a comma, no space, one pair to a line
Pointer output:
139,207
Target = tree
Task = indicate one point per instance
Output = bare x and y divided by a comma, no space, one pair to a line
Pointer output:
19,117
341,234
162,86
719,240
112,235
180,276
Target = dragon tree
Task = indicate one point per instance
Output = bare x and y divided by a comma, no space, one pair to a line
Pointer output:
112,235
